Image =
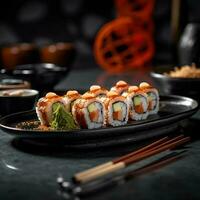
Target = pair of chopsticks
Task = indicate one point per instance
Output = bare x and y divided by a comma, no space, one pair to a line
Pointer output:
95,183
120,177
128,159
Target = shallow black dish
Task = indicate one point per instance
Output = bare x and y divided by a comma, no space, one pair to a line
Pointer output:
42,76
13,104
172,110
189,87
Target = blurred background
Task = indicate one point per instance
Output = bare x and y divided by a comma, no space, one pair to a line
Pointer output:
42,23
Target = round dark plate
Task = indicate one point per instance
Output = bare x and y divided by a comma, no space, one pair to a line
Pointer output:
177,86
172,110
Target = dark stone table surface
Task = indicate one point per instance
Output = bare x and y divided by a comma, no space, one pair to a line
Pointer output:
29,171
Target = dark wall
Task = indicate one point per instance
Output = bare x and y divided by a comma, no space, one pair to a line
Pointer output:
44,21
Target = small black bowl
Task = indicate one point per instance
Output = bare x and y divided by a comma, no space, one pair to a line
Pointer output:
13,104
7,84
189,87
42,76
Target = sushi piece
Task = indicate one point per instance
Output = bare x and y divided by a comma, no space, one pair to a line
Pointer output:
117,109
89,111
98,91
153,97
44,108
70,97
120,87
52,112
138,103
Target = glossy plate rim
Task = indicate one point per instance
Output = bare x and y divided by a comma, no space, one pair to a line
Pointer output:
112,131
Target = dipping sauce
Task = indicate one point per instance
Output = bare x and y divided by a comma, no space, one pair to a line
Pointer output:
16,93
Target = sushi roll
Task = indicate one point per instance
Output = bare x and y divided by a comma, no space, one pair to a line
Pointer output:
117,109
46,105
138,103
70,97
153,97
120,87
89,112
98,91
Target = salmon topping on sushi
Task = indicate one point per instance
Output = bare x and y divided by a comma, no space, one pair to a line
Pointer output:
144,85
112,94
120,87
121,84
94,88
98,91
73,94
50,95
88,95
133,89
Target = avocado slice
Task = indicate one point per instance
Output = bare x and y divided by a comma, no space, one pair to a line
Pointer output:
137,100
92,107
151,96
117,107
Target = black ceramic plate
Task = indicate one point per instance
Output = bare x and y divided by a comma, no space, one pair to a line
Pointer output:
172,110
177,86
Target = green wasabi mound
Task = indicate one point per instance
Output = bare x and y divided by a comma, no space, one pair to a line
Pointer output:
62,120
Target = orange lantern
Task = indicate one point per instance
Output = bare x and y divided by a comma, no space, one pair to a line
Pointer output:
121,45
135,8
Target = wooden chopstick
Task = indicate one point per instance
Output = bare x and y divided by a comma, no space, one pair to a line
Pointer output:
150,147
94,186
156,151
107,164
130,160
86,172
155,165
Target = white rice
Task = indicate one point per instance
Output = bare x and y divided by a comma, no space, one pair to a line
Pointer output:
100,121
156,102
125,109
90,124
132,113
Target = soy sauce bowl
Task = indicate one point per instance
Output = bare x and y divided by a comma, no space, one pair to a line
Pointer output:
17,103
189,87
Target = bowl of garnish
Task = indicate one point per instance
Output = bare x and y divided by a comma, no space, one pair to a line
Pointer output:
17,100
183,80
